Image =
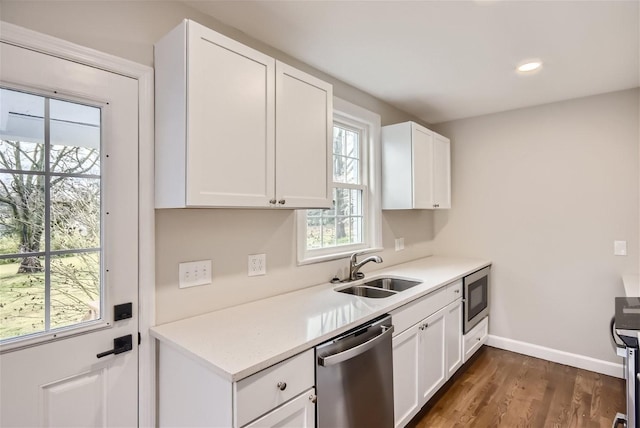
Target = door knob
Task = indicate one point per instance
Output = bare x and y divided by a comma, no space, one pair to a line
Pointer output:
120,345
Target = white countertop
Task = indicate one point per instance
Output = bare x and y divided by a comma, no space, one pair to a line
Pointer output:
239,341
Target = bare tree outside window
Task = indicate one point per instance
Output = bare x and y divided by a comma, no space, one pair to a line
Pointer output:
49,214
342,224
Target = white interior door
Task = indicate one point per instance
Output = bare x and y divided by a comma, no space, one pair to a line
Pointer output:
70,132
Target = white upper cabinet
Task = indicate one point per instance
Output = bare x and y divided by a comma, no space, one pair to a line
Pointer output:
416,168
304,122
441,171
236,128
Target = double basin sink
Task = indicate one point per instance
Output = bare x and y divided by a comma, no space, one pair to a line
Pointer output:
380,287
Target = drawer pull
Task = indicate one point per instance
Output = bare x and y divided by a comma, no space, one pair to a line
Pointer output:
282,386
457,291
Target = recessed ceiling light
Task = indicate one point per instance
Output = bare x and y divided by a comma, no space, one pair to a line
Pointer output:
529,66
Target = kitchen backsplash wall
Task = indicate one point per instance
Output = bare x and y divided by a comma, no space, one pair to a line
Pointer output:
543,192
228,236
128,29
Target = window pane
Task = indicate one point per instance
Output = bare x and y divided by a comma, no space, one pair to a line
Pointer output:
75,213
21,131
21,213
352,143
21,155
339,169
352,170
343,202
356,230
329,232
338,140
356,202
75,289
75,138
343,231
21,298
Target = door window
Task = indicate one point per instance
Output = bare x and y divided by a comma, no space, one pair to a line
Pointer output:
50,214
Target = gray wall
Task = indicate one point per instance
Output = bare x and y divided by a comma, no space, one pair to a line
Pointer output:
543,192
128,29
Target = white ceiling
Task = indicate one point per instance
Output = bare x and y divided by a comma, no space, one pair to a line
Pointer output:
444,60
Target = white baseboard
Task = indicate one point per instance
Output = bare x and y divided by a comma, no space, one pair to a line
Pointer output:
561,357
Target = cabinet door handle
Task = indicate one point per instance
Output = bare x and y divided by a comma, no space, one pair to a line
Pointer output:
457,291
281,201
272,201
282,386
313,398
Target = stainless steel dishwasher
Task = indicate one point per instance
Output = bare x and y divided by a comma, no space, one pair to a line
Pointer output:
354,378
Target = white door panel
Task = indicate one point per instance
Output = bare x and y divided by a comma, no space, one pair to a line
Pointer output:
58,380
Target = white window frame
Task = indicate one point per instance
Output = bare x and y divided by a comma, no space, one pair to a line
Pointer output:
356,116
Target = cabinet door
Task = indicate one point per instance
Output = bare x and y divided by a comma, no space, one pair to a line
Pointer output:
406,350
441,171
453,340
296,413
230,132
432,373
421,165
303,147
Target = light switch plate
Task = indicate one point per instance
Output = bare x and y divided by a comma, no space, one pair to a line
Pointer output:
619,248
257,264
194,273
399,244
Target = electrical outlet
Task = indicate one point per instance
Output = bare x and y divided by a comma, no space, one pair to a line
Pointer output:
619,248
399,244
194,273
257,264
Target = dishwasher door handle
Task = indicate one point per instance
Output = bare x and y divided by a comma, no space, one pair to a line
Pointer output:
356,350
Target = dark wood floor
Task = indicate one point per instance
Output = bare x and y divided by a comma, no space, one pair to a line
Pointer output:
503,389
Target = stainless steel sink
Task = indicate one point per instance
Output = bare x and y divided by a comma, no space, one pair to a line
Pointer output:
395,284
362,291
380,288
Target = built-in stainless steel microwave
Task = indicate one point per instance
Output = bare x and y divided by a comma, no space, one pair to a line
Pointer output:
475,289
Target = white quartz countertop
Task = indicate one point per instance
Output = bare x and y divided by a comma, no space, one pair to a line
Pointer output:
239,341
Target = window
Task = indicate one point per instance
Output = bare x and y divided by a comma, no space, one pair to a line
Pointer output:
353,222
50,217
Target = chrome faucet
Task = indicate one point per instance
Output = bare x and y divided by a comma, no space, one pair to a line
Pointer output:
354,266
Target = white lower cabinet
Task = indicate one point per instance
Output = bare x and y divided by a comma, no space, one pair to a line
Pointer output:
453,326
426,354
432,373
406,389
190,394
297,413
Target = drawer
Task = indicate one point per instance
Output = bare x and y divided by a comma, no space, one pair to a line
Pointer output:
475,338
455,290
414,312
259,393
